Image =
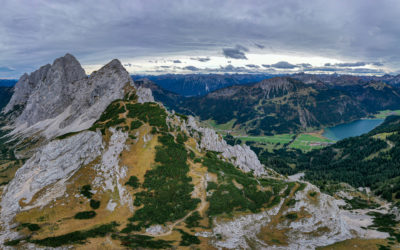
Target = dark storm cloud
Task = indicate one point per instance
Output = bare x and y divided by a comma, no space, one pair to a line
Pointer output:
343,70
176,61
327,69
355,64
283,65
304,65
377,64
366,71
232,69
200,59
235,53
33,33
252,66
191,68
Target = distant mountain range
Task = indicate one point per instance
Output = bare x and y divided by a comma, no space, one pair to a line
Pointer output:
201,84
344,80
285,104
7,83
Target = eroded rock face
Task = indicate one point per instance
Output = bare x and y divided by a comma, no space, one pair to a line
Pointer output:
25,86
239,155
109,173
235,234
321,225
51,165
319,222
60,98
144,95
51,95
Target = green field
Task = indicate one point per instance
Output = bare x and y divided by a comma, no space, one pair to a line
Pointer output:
307,142
303,142
275,139
383,114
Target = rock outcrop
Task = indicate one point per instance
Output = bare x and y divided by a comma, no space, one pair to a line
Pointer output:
239,155
322,223
25,86
51,165
51,94
144,95
109,172
60,98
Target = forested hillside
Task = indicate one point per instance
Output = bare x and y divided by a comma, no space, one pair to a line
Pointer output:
7,82
5,96
287,105
371,160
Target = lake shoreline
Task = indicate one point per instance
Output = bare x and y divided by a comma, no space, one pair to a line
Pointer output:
351,129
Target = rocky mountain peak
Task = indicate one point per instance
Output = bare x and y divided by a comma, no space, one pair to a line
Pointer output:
279,83
68,68
115,63
25,86
60,98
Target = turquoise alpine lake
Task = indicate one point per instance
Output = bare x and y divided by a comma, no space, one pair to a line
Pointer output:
355,128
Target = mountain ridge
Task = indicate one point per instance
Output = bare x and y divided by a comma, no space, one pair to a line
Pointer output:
286,104
141,176
77,100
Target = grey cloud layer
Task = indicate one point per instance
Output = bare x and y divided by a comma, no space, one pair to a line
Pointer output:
35,32
283,65
200,59
282,68
236,53
191,68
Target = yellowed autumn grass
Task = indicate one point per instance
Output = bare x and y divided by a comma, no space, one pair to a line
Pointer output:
361,244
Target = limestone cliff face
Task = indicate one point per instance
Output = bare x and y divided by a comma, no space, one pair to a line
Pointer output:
239,155
51,166
144,94
50,95
60,98
301,234
25,86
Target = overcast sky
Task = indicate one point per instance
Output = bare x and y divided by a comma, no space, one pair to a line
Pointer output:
174,36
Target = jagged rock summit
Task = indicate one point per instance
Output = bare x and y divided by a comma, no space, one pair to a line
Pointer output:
60,98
